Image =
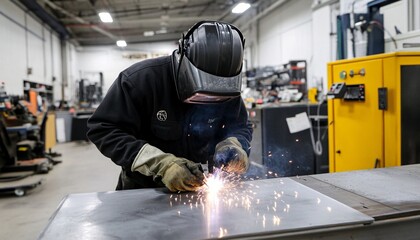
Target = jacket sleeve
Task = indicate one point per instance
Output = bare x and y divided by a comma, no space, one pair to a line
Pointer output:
237,124
114,125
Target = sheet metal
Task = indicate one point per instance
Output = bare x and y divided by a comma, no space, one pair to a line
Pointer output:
257,208
396,187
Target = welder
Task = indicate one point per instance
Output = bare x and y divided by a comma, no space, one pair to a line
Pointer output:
163,117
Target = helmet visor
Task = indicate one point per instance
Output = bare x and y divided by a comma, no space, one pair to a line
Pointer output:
197,86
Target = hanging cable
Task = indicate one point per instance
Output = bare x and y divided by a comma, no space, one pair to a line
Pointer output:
317,145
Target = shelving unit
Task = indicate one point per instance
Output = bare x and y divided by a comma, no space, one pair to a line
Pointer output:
298,75
32,89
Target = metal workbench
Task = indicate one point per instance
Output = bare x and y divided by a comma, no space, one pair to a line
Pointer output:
378,203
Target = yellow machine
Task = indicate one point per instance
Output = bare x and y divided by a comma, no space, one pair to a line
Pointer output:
374,111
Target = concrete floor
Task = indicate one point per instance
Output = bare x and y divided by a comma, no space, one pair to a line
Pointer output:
83,169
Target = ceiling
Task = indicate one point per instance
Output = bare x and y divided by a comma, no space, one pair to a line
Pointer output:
166,19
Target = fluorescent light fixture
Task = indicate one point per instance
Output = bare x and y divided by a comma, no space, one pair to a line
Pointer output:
148,33
162,31
105,17
121,43
241,7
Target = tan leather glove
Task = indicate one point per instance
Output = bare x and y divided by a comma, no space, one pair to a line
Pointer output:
178,174
230,155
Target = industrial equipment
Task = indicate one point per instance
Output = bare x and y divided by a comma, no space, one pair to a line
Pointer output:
282,152
375,121
89,91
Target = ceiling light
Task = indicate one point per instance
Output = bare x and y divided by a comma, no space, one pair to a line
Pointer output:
241,7
121,43
162,31
148,33
105,17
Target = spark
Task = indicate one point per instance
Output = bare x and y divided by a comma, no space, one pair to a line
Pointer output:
222,232
214,184
276,220
223,189
219,181
263,221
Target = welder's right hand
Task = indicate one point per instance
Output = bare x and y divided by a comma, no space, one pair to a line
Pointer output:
178,174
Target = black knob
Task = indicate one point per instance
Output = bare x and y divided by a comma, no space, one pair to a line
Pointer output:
338,151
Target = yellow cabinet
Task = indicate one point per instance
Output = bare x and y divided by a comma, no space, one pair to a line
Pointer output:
374,123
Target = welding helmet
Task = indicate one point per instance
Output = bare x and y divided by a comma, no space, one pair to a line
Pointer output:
208,63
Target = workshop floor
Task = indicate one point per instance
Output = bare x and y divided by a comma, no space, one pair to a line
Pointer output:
83,169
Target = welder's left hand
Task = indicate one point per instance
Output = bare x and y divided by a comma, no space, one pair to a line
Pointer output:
231,156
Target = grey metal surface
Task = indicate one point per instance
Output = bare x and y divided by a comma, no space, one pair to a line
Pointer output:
257,208
397,187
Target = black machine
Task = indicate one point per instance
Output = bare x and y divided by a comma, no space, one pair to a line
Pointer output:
90,93
283,153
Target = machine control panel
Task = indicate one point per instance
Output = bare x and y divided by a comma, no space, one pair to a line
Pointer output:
355,92
337,90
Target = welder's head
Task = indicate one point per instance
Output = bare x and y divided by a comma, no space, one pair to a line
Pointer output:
208,63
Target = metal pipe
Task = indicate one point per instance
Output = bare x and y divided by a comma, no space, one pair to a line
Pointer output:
263,13
78,19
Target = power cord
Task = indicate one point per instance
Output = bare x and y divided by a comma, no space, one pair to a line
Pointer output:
317,145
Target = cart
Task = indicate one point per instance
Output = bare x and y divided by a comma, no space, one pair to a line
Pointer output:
19,183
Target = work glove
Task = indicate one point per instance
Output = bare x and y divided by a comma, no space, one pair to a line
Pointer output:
178,174
230,156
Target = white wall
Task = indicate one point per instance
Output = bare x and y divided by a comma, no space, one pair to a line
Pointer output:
322,46
13,61
26,43
286,34
35,51
111,60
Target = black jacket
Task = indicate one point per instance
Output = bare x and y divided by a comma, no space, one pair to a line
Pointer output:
142,106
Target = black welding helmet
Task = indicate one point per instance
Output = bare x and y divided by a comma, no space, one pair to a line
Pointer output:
208,63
